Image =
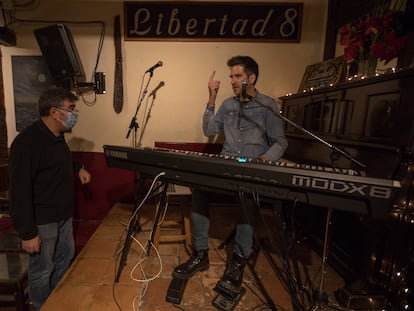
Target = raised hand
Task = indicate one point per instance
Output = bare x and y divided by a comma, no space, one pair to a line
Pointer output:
213,87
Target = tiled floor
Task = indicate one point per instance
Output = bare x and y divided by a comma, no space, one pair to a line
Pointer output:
143,283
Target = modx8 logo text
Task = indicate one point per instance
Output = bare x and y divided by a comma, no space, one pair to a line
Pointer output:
342,186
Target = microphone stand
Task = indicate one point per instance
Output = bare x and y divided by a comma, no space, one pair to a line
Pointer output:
133,225
133,124
335,150
153,94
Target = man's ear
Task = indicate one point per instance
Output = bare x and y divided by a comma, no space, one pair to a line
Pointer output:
52,111
252,78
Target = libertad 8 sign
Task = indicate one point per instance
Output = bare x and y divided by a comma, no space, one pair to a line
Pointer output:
186,21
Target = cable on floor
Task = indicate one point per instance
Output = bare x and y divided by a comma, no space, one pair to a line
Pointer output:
146,280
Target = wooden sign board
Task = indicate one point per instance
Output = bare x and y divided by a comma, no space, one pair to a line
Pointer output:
226,21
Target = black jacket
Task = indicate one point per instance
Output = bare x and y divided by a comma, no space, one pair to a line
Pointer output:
41,179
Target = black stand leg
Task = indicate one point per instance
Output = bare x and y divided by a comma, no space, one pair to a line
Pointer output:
270,303
133,227
229,238
322,297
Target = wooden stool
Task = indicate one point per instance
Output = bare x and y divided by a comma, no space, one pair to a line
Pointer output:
177,197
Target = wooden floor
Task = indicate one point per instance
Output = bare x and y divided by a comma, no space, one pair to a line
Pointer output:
89,284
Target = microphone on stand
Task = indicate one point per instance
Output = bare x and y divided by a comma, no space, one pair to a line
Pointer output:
159,64
244,86
160,85
134,124
244,97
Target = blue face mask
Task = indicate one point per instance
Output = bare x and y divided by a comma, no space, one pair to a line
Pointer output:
71,120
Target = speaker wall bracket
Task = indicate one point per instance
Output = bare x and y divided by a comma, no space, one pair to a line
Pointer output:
98,86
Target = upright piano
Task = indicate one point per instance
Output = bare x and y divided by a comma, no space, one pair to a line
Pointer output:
372,120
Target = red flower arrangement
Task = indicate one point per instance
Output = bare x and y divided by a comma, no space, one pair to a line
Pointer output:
377,37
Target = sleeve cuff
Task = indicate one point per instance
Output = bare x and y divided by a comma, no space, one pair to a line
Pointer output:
77,166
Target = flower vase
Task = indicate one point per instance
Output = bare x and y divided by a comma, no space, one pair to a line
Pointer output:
351,70
384,67
367,67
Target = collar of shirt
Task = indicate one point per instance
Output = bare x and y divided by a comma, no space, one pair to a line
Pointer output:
49,133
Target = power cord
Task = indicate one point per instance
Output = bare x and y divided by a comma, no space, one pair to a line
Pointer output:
145,280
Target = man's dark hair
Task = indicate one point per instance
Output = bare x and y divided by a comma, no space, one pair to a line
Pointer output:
249,64
54,97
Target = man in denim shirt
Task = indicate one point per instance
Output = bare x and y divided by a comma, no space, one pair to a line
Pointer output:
251,130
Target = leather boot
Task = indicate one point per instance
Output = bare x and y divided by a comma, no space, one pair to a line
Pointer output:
231,281
197,262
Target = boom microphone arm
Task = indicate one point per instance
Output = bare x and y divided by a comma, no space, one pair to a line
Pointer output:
332,147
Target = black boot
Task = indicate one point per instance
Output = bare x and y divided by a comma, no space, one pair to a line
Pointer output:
197,262
231,281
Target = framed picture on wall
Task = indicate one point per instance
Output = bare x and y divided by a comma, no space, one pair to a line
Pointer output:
31,77
323,74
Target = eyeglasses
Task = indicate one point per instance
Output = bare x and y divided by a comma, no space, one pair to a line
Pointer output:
72,110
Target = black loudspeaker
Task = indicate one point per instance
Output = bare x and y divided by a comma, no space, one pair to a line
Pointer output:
59,51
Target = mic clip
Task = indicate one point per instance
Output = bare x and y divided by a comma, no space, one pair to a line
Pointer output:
247,98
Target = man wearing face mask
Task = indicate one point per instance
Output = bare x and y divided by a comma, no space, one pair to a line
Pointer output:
252,131
42,191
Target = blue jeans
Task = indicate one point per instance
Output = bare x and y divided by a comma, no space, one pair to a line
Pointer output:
200,222
47,267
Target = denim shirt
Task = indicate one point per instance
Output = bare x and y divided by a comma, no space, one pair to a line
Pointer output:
250,129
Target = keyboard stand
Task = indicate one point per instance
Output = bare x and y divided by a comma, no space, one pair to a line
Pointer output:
133,227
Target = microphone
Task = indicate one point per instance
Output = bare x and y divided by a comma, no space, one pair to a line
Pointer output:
159,64
243,91
160,85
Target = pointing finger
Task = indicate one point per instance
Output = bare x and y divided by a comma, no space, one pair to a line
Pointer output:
212,75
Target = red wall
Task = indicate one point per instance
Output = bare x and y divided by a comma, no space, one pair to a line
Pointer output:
107,187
